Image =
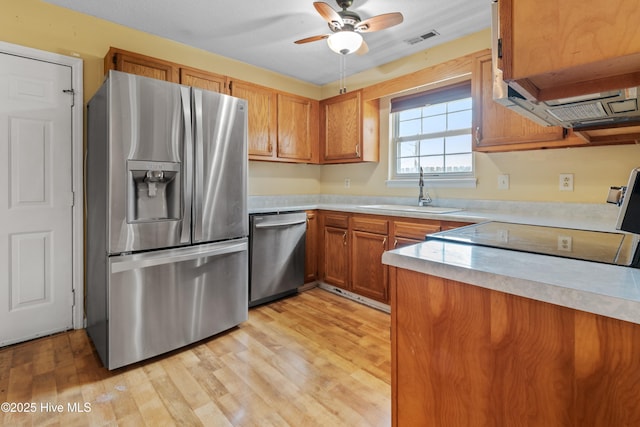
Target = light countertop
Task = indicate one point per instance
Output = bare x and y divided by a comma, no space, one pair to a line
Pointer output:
587,216
608,290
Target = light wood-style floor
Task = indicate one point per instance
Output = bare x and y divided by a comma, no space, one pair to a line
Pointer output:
315,359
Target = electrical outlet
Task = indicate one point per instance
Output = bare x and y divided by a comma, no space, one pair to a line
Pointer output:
347,183
565,243
566,182
503,182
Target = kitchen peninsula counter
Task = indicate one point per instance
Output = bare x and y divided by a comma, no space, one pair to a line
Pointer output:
608,290
485,336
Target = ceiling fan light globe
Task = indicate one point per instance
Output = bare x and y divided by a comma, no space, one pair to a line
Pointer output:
344,42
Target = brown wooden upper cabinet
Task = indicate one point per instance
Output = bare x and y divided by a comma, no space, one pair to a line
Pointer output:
203,80
282,126
496,128
297,128
555,49
142,65
262,120
349,129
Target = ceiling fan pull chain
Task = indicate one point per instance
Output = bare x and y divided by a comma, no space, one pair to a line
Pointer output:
343,77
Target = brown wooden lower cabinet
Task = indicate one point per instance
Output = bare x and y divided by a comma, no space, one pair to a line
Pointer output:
334,258
463,355
369,240
409,232
350,248
311,248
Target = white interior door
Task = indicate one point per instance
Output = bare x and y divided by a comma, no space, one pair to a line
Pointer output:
36,199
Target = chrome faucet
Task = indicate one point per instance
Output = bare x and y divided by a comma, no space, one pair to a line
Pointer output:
422,199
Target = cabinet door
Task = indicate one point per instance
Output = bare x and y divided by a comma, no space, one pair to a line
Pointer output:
297,128
498,129
336,256
369,277
141,65
561,49
340,122
203,79
311,248
262,119
399,242
450,225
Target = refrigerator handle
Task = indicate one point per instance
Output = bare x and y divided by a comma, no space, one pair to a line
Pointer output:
153,259
198,180
185,96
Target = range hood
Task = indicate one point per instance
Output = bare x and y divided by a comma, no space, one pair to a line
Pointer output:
589,111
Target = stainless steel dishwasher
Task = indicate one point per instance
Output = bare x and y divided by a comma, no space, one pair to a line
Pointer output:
277,253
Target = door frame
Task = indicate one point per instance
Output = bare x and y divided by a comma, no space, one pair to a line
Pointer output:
77,155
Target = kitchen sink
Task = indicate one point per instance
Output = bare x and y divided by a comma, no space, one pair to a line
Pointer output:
409,208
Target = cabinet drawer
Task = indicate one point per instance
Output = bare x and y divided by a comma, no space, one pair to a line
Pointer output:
449,225
413,230
336,220
372,225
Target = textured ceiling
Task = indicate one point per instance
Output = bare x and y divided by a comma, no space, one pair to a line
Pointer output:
262,32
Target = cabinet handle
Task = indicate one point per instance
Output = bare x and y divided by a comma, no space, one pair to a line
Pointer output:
395,243
357,150
344,238
477,135
384,241
270,148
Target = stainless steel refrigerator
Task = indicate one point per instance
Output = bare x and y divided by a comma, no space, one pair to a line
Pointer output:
167,222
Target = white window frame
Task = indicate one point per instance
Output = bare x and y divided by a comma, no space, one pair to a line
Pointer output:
449,179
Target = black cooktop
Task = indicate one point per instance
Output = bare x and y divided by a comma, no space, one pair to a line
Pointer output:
597,246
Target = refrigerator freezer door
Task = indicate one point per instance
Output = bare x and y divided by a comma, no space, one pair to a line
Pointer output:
220,167
163,300
149,137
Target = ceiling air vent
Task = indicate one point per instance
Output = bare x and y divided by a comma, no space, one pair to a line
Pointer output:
423,37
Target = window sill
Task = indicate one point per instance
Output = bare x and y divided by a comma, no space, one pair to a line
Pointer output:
466,182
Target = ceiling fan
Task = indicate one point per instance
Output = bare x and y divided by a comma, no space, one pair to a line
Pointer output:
346,26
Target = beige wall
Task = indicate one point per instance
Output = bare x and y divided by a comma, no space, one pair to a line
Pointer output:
533,174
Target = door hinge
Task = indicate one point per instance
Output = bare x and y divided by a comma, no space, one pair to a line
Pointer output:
500,48
72,93
73,297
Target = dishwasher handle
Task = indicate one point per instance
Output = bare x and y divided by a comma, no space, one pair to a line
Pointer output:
283,223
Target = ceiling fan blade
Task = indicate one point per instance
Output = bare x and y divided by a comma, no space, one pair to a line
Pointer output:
363,48
312,39
328,13
379,22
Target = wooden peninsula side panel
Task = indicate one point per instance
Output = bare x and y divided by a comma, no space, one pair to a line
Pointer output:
463,355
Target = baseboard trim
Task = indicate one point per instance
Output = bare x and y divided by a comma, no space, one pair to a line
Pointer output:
355,297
